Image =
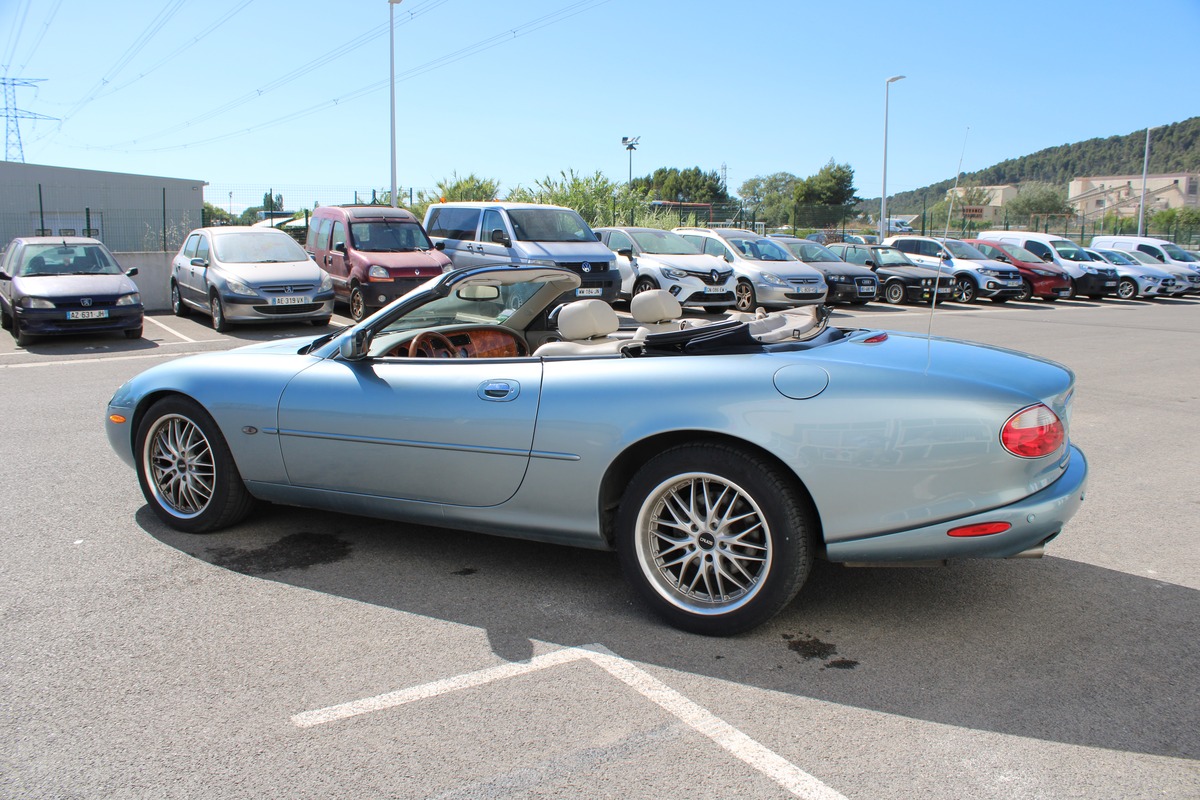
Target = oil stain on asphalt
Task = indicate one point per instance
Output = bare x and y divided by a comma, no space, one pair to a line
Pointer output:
810,647
295,551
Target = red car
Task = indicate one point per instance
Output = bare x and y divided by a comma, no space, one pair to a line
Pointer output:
1042,279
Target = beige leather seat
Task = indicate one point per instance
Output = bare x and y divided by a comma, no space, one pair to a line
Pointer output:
658,310
586,327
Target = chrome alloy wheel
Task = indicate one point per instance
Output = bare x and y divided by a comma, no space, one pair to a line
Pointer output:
178,461
703,543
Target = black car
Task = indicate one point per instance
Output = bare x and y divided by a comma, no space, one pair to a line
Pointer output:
900,280
63,285
848,283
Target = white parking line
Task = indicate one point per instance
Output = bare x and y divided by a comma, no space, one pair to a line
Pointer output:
168,329
769,763
97,359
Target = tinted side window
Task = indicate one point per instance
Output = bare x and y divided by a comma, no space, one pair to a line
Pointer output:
454,223
1037,248
1153,251
202,248
906,245
930,249
492,221
189,248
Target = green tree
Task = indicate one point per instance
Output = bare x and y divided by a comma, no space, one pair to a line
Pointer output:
683,186
454,188
270,203
215,215
1038,198
826,198
599,200
773,197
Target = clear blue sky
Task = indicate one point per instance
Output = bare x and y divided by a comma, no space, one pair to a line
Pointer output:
274,93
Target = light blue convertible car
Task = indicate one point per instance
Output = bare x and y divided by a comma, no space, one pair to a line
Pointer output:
718,459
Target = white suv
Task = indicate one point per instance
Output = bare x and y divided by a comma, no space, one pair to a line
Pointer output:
975,275
649,258
767,274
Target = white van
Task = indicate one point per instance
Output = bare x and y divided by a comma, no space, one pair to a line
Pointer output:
496,232
1167,253
1088,277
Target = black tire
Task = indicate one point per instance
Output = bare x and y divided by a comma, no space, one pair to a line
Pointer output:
178,307
133,333
744,297
1026,291
1051,298
964,290
1127,289
217,314
358,304
1072,294
999,299
894,293
6,320
748,570
644,284
185,468
22,338
320,323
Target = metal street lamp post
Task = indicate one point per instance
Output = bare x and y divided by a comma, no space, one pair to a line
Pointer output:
1142,204
883,198
631,143
392,76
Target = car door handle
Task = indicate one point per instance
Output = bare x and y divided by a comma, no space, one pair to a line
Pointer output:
499,390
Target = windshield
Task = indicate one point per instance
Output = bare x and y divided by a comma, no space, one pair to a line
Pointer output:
468,304
257,247
1142,258
1176,252
1069,250
664,243
811,251
68,259
388,236
963,250
549,225
891,257
1021,254
1117,257
761,250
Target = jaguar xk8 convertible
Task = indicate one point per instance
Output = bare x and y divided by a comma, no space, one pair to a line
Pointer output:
717,459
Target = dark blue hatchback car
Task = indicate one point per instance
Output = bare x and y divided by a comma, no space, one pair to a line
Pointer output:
56,285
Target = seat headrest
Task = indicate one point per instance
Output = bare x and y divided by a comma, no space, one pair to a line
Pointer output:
585,319
655,305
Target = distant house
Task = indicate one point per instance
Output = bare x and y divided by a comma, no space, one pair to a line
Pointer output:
1121,194
129,213
990,212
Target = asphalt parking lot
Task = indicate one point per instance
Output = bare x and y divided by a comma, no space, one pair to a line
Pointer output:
306,654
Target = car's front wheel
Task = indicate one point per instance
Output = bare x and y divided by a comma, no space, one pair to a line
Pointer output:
185,468
964,290
217,313
894,293
644,284
716,540
358,303
1026,290
1127,289
744,297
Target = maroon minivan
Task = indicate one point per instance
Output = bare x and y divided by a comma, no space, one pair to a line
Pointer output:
373,253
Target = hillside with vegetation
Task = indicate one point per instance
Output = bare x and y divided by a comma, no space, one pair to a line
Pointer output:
1173,148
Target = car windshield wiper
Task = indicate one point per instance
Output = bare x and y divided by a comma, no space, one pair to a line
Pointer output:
320,340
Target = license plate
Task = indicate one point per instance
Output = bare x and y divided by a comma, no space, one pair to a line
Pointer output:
588,292
714,290
101,314
866,290
292,300
807,290
1016,283
1110,283
1062,292
945,290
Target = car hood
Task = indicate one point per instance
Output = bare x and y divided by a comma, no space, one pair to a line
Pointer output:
567,251
72,285
258,274
916,270
698,262
431,260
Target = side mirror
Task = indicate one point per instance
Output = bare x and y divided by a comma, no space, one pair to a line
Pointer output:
945,255
500,237
1160,258
599,238
354,347
1001,258
340,247
1047,258
4,276
129,273
727,257
440,246
627,252
869,263
199,262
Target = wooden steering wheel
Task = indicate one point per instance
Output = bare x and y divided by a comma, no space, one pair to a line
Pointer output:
430,344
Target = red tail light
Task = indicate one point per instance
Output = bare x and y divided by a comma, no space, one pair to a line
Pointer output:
1033,432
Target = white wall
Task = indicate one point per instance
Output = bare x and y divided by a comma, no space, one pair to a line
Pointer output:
153,279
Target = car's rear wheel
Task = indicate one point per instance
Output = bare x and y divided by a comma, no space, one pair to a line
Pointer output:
1073,290
185,468
894,293
1026,290
217,314
178,308
1127,289
744,297
358,304
716,540
22,338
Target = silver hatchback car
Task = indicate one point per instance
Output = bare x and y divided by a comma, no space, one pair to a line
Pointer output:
248,274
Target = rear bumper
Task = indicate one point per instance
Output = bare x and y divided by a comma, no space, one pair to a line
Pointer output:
1034,520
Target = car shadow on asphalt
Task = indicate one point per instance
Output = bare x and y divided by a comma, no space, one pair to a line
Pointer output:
1051,649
